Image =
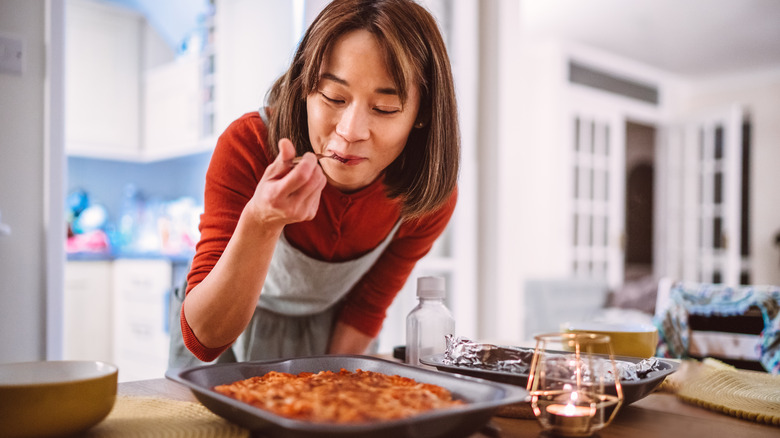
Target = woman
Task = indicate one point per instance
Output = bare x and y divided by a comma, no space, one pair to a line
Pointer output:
303,259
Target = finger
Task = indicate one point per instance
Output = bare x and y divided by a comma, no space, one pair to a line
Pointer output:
311,198
300,178
305,185
286,150
307,181
279,167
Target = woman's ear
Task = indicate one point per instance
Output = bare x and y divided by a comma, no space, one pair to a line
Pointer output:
423,118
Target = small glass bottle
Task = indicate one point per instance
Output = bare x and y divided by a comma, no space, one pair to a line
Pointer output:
429,322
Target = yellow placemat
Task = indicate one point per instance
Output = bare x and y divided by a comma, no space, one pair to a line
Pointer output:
154,417
750,395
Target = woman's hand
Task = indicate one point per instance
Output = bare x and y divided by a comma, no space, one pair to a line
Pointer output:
348,340
284,195
287,194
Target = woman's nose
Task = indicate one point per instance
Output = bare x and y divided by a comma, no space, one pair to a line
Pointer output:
353,124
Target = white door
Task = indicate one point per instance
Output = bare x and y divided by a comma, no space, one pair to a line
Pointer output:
597,146
703,199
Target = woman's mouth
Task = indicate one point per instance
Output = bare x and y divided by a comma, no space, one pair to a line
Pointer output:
340,158
348,159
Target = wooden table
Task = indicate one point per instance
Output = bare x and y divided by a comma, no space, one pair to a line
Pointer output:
657,415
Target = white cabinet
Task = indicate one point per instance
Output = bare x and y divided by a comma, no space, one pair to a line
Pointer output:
127,96
87,331
141,293
102,79
173,109
117,311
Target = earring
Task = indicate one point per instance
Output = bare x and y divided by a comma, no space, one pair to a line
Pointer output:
419,125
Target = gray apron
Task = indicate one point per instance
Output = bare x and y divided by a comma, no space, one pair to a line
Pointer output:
297,308
296,311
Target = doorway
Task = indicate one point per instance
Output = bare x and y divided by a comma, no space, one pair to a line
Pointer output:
639,206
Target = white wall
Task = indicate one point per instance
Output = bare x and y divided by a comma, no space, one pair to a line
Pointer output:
500,308
254,45
759,92
22,188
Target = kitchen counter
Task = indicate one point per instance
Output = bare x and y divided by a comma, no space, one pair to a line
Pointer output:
86,256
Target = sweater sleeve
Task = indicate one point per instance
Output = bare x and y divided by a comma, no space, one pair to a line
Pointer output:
192,343
366,304
235,168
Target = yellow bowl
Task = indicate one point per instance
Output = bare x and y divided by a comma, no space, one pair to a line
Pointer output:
635,340
55,398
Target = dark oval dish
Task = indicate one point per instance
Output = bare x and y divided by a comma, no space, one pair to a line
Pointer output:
632,390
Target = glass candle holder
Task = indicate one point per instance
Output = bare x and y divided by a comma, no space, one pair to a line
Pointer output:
573,383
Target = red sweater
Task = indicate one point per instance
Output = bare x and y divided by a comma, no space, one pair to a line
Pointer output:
347,225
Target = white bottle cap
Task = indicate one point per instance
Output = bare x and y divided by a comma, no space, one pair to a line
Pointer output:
430,287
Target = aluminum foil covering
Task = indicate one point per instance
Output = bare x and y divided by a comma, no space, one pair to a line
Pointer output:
463,352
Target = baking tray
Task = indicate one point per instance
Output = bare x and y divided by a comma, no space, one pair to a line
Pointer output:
632,390
483,398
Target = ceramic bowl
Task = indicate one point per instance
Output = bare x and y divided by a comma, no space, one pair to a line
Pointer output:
628,339
55,398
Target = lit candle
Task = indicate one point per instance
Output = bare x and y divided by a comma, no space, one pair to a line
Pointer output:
570,419
569,410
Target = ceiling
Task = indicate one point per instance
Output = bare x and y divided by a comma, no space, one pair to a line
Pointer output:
175,20
686,37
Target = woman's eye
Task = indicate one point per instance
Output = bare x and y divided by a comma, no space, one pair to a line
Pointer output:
386,110
329,99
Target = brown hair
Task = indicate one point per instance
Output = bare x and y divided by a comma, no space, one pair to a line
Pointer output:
425,174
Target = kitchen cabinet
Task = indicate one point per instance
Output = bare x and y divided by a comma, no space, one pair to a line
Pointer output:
128,97
141,293
103,49
87,313
117,311
173,110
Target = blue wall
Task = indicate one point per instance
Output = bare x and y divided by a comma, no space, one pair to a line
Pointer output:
105,180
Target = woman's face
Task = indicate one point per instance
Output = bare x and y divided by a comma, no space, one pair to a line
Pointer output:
356,113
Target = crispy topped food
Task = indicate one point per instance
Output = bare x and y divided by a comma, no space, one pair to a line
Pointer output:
343,397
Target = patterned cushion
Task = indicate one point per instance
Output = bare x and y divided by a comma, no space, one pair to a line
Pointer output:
714,320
